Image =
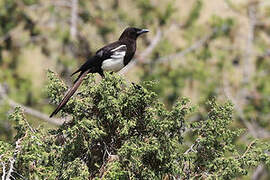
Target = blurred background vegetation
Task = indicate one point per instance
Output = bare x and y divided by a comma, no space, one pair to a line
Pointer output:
197,49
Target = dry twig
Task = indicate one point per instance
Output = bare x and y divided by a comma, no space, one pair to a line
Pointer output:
193,47
28,110
196,45
190,148
3,169
13,159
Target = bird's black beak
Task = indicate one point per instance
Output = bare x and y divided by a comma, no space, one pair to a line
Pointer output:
142,31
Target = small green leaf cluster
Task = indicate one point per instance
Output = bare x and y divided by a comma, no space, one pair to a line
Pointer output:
214,153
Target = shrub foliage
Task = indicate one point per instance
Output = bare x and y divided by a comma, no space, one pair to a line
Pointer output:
121,131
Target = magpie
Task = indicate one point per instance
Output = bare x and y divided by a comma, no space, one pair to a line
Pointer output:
112,57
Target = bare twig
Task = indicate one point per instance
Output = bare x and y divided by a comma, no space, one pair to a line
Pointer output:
38,114
28,110
13,159
74,17
186,167
193,47
248,148
196,45
142,57
192,146
3,170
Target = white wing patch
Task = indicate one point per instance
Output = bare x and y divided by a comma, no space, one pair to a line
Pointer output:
116,61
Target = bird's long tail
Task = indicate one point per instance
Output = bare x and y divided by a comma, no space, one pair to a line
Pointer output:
70,93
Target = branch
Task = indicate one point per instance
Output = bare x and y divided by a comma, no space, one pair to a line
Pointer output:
3,169
74,17
186,165
145,53
12,160
248,148
193,47
38,114
190,149
192,146
28,110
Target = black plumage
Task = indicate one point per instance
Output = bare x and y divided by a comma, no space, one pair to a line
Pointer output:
112,57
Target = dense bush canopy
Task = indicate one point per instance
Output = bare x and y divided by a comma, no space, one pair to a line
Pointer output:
122,131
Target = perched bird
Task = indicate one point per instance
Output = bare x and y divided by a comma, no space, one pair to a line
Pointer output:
112,57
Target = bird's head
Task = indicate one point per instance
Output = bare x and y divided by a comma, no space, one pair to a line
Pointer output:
132,33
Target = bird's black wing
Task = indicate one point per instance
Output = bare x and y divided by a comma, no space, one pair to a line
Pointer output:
94,63
107,51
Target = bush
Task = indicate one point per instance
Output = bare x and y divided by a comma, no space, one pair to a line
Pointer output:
122,131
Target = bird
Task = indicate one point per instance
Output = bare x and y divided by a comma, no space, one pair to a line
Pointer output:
112,57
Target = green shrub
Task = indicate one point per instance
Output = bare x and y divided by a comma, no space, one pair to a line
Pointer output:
122,131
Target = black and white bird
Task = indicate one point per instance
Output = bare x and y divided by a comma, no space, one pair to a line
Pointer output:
112,57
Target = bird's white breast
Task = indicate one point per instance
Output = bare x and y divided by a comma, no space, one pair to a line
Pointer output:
113,64
116,61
